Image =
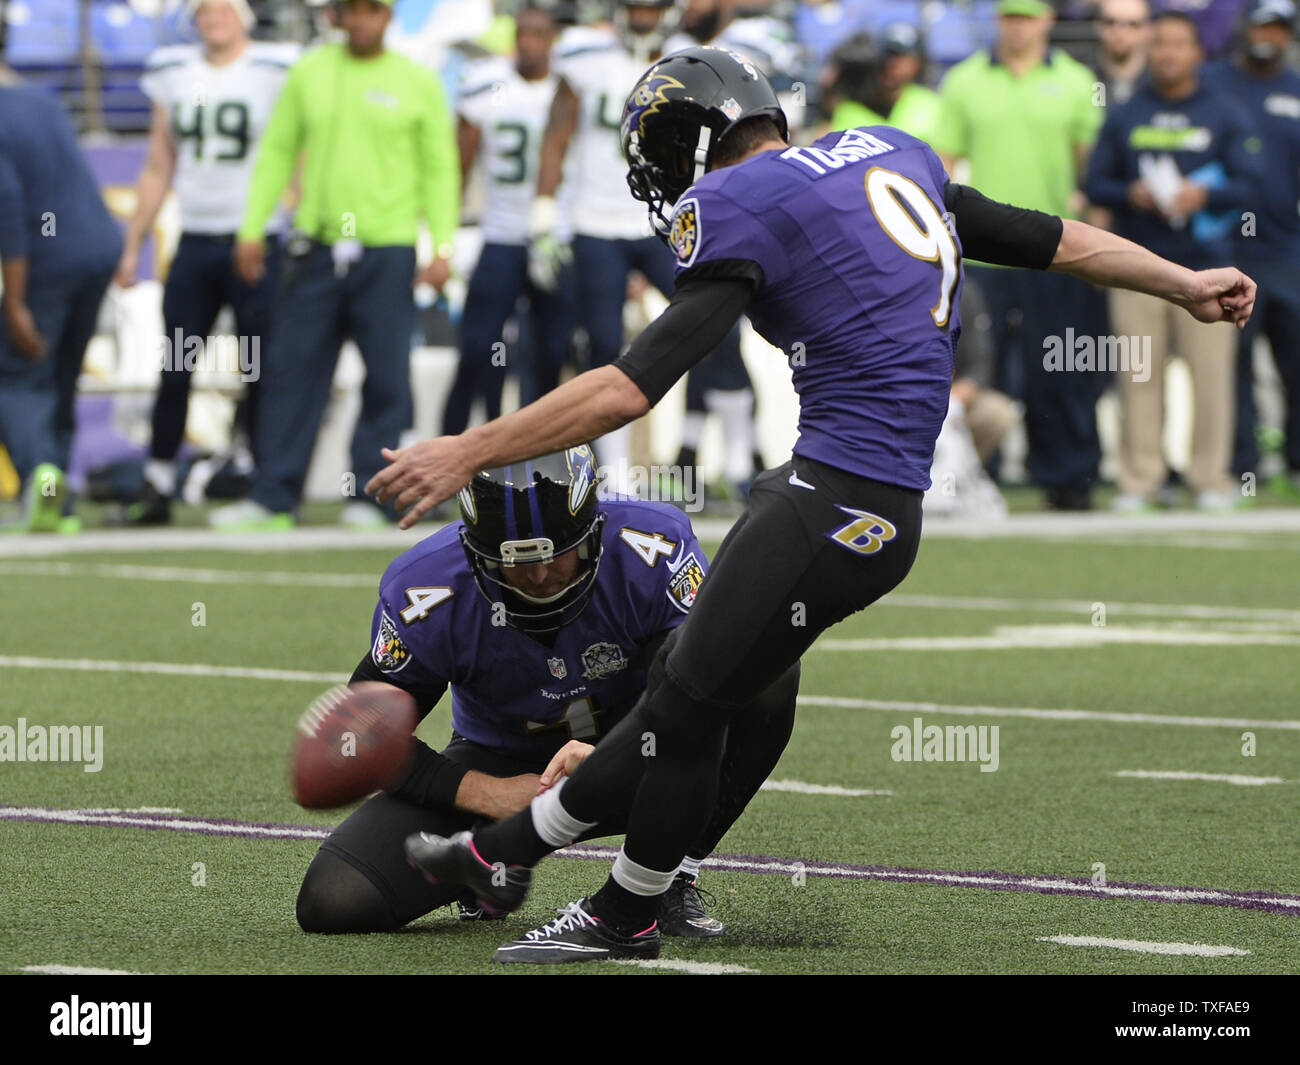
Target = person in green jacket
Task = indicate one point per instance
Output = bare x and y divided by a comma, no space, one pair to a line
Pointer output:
370,135
876,83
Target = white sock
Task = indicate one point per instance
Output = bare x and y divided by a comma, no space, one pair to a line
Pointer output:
693,429
691,867
161,473
638,879
552,822
613,449
736,409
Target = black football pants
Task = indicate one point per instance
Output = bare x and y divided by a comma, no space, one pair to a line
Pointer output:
815,545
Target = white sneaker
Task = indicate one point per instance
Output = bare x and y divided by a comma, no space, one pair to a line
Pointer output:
362,515
1131,503
1212,500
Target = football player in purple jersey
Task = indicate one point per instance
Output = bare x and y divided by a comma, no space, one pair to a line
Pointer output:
848,255
541,610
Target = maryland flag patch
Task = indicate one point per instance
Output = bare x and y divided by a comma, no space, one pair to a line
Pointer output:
389,652
685,583
684,237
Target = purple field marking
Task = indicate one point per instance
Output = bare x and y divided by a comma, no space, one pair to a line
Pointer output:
211,826
991,880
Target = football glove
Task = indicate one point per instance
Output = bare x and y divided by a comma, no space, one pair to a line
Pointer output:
547,256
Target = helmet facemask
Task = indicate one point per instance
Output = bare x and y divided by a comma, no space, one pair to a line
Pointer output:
528,514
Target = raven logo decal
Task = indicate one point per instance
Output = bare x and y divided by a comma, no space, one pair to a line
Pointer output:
646,99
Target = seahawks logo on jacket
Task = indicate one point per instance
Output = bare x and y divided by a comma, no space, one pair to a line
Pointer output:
390,653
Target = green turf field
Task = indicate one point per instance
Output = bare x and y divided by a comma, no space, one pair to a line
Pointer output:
1200,645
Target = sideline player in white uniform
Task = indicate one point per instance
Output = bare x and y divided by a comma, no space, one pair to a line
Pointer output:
597,67
211,102
502,111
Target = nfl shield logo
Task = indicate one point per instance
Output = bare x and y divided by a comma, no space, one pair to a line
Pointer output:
558,669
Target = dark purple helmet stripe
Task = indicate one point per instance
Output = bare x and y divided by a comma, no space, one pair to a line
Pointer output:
512,533
534,509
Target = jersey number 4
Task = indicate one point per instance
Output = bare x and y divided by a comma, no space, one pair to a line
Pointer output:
649,547
421,601
580,717
910,219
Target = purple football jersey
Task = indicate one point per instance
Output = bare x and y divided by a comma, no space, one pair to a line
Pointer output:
509,691
861,288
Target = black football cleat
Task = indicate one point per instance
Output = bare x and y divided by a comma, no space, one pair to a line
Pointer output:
471,909
151,508
498,888
682,912
578,935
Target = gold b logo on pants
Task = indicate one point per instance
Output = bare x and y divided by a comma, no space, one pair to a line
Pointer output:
866,534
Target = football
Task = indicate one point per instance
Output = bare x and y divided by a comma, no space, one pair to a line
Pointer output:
352,741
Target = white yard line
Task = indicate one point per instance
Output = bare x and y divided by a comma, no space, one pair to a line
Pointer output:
1162,529
75,970
1049,637
198,669
131,810
1142,946
1085,608
893,706
698,968
189,824
1182,774
184,669
803,788
316,579
185,575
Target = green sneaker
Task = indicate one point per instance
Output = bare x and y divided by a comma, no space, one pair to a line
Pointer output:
249,517
70,525
1286,485
46,492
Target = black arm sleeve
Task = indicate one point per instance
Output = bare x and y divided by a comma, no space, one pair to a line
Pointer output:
430,779
993,232
706,304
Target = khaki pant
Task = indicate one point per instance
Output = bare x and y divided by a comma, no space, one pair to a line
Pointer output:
1210,353
989,418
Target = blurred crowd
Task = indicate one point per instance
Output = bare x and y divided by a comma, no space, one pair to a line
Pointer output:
342,169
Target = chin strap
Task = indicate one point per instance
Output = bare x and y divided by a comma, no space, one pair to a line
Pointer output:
702,153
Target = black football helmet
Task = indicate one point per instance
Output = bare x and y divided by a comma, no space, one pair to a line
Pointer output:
859,62
534,512
680,110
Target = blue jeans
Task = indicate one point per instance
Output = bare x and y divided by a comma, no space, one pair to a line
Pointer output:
37,399
498,281
1060,408
1277,315
602,267
315,311
201,281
